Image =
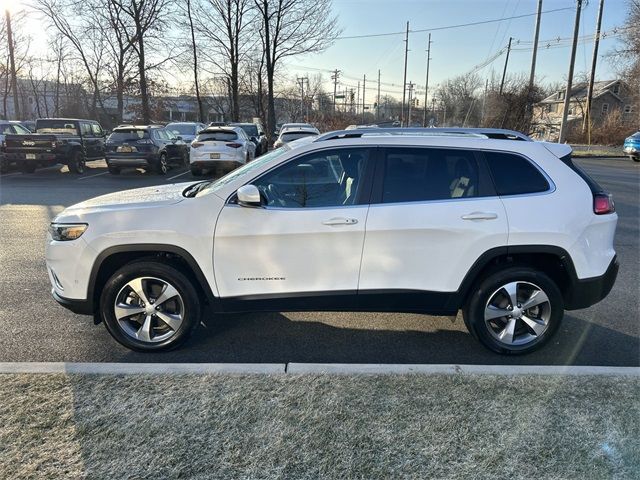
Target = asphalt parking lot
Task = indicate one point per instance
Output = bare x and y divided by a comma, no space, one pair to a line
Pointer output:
34,328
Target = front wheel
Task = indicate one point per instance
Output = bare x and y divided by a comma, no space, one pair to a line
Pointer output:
77,163
514,311
149,306
162,167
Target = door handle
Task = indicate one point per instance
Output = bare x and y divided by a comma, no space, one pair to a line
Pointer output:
340,221
480,216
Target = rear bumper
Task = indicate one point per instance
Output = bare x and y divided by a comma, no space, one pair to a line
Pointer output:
144,160
19,157
589,291
204,163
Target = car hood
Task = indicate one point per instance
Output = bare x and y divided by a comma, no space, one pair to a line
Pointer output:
136,198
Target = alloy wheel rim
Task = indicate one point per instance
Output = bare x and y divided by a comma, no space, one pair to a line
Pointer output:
149,309
163,164
517,313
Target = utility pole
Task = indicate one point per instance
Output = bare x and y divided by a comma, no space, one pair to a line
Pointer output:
426,83
301,81
484,101
506,62
594,61
364,88
410,87
334,77
378,98
358,99
12,65
567,95
404,80
534,55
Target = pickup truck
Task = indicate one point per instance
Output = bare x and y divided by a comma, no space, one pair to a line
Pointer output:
56,140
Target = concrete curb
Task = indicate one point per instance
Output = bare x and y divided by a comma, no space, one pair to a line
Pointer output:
305,368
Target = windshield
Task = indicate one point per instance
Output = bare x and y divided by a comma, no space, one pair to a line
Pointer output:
247,168
59,127
287,137
250,130
181,129
131,135
221,136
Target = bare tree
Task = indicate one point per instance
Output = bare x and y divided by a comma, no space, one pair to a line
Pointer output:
224,24
459,100
288,28
148,17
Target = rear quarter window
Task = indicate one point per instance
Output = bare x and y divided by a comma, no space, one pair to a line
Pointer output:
515,175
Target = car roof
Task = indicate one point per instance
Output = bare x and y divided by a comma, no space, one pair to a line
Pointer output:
184,123
68,119
311,130
137,127
221,128
495,133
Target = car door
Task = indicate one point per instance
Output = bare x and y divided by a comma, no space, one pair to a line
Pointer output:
88,140
434,212
307,237
98,133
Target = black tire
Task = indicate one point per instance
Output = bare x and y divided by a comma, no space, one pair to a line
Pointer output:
77,163
150,268
162,166
113,170
185,159
483,291
27,168
635,159
196,172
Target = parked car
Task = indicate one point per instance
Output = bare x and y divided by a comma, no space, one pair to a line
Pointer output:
511,232
187,131
220,148
9,128
57,140
152,147
256,134
294,134
632,147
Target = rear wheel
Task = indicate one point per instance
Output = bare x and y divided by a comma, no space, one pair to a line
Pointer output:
636,159
515,310
77,163
149,306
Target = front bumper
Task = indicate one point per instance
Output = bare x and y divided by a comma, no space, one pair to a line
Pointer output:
81,307
589,291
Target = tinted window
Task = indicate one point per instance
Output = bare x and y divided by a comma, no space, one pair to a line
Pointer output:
86,129
20,130
130,135
221,136
97,130
60,127
6,129
250,130
181,129
322,179
513,175
420,174
287,137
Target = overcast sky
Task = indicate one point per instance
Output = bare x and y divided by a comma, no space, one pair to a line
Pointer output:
456,51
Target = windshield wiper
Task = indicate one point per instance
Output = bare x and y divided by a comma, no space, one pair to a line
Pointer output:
192,190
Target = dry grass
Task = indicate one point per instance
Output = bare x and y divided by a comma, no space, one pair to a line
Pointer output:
314,427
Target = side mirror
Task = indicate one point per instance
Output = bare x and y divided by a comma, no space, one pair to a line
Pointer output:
179,137
249,196
253,139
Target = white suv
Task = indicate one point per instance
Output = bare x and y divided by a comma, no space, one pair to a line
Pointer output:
509,231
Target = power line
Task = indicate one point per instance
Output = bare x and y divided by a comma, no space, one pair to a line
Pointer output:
448,27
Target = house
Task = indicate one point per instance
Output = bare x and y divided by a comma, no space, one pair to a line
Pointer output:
608,96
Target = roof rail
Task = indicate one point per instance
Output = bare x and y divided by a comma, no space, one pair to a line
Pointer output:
494,133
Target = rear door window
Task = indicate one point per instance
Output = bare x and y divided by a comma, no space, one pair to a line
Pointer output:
86,129
514,175
427,174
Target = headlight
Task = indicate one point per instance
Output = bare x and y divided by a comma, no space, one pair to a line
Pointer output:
63,232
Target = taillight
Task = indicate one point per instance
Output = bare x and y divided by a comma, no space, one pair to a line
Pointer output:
234,145
603,204
196,144
53,144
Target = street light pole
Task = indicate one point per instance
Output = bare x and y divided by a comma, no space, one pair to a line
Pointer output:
567,95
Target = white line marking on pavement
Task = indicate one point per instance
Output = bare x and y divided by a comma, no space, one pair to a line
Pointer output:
91,176
9,174
179,175
307,368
